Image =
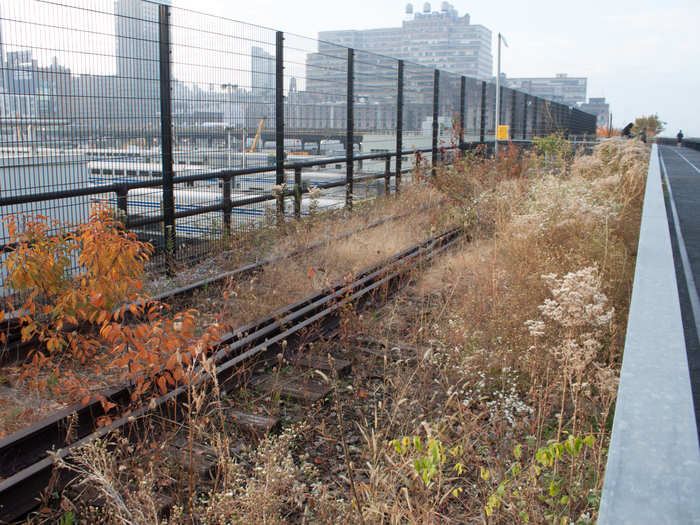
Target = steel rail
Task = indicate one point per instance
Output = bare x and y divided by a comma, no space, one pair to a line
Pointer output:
16,350
24,459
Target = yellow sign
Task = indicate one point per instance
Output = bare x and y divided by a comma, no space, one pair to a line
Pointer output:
503,133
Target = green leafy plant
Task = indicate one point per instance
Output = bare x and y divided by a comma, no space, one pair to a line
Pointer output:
554,485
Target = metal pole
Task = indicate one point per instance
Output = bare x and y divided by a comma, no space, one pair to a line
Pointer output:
436,102
462,95
349,136
535,111
279,118
387,175
399,126
122,203
166,131
482,126
498,97
513,102
525,102
226,201
297,193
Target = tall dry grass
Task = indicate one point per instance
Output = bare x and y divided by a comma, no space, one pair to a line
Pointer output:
503,412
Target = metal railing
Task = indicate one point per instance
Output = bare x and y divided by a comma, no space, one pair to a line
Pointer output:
186,122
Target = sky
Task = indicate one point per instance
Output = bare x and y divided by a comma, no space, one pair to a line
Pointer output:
642,55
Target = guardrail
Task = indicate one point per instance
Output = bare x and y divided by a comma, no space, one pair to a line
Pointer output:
653,468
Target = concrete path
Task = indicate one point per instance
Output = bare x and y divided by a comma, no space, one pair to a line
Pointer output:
681,167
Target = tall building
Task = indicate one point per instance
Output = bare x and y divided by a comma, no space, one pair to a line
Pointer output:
2,48
137,53
436,39
262,73
560,88
598,107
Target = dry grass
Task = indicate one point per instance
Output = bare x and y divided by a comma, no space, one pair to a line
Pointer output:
518,339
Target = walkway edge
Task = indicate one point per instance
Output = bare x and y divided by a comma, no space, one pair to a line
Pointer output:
653,468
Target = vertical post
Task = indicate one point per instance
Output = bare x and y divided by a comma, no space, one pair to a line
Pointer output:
349,134
482,126
525,102
497,117
387,175
462,96
279,119
535,115
226,201
436,102
166,133
513,106
399,126
501,117
122,204
297,193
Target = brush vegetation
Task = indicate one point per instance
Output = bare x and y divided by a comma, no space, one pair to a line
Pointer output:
499,406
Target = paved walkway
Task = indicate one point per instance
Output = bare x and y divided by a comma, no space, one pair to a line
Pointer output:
682,169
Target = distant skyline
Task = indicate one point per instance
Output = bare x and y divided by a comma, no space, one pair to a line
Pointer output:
641,55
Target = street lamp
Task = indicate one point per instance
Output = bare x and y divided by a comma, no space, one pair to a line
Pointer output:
498,92
229,88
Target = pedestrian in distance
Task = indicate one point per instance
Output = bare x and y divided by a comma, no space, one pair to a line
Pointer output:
627,131
680,137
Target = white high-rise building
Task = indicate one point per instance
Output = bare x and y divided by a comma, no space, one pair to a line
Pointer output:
436,39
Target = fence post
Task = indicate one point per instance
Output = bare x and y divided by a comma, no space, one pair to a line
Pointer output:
279,119
399,126
226,201
513,102
387,175
122,204
166,133
525,102
436,102
482,126
349,134
297,193
535,115
462,96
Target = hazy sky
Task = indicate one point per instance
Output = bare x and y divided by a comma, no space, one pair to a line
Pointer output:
642,55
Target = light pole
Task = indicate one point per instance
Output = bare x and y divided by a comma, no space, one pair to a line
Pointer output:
230,89
498,92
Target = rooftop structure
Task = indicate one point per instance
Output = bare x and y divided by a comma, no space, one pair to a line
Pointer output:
437,39
598,107
561,88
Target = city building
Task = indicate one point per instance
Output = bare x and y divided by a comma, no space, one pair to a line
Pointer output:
137,54
2,52
436,39
598,107
262,73
560,88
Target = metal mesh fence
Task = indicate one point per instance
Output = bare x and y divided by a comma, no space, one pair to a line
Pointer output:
189,125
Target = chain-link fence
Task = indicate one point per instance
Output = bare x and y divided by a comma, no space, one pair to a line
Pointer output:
191,126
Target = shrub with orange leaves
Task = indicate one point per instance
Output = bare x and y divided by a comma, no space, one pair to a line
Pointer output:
83,317
110,262
604,131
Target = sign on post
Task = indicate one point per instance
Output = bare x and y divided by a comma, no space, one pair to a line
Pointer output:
503,133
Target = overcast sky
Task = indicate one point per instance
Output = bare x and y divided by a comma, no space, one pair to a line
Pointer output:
642,55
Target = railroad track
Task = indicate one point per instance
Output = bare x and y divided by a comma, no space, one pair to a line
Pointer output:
27,467
16,351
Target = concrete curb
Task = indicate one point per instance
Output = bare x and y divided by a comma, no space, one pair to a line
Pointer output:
653,468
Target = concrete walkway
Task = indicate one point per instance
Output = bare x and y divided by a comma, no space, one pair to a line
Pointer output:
681,167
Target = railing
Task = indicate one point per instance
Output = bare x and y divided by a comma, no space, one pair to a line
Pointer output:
185,121
653,468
